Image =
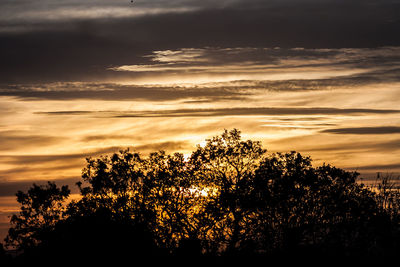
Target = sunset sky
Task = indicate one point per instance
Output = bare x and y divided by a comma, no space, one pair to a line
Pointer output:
83,78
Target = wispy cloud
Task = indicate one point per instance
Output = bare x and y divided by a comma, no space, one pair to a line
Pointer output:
365,130
262,59
16,14
110,92
262,111
11,140
272,64
212,90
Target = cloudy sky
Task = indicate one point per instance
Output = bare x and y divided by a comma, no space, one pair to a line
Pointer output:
83,78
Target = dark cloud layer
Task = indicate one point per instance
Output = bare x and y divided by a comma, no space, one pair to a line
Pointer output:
98,91
82,49
206,92
261,111
365,130
256,112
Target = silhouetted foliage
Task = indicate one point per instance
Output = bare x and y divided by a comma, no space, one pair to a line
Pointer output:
41,208
229,198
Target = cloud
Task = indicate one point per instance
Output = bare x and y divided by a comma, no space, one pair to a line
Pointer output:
232,89
254,112
56,159
60,166
370,146
47,11
11,140
351,65
365,130
110,92
378,167
39,47
258,111
222,112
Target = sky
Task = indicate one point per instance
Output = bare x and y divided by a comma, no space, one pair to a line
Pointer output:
83,78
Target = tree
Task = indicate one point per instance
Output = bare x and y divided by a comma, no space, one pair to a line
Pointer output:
41,208
156,192
228,198
307,207
226,166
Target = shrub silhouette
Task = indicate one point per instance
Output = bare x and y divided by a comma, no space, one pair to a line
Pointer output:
229,198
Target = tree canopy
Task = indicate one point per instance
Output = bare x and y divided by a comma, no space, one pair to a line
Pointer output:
229,198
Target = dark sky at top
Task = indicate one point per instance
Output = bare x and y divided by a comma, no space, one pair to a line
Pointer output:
47,41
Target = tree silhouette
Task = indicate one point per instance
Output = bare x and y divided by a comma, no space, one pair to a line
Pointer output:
226,164
306,207
229,198
41,208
